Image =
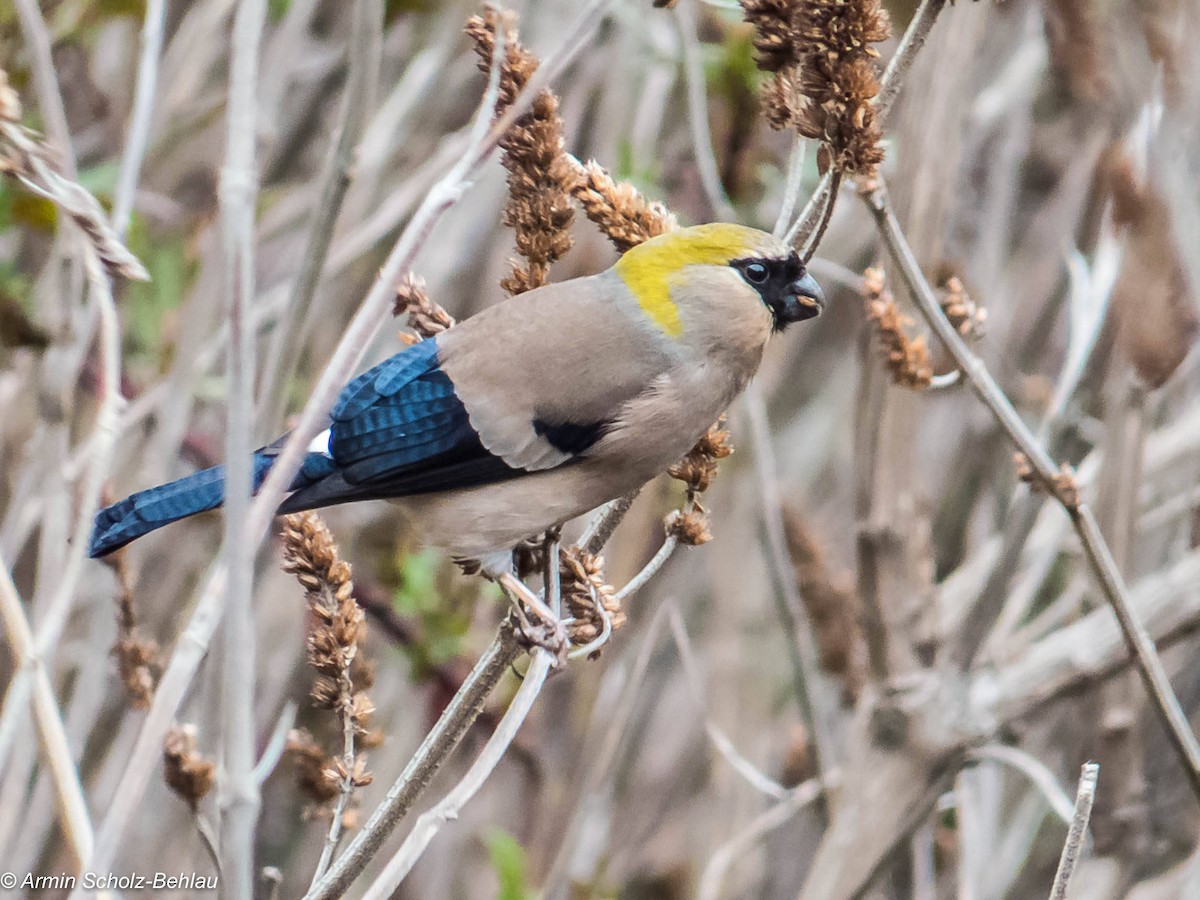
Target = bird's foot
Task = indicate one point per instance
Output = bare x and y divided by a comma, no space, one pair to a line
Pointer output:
550,636
545,630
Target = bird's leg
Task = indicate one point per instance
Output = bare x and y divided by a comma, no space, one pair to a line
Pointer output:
550,633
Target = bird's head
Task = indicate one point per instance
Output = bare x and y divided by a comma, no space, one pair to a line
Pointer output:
731,267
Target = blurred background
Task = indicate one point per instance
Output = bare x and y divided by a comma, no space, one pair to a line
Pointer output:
1043,158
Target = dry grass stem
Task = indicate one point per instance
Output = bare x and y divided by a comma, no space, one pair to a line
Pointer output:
1099,558
1084,798
25,157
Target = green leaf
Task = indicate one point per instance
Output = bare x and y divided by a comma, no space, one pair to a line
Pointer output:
418,590
112,8
147,304
508,860
32,211
393,9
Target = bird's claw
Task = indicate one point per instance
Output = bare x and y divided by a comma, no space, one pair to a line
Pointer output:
550,636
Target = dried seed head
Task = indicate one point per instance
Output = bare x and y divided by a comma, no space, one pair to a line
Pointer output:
690,526
311,764
968,318
333,648
139,667
699,467
538,207
585,592
425,317
906,358
774,32
187,773
833,607
825,74
622,213
1152,302
137,660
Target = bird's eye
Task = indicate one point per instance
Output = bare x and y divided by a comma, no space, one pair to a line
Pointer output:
756,273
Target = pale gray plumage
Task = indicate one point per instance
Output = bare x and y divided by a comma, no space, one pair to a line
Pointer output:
585,350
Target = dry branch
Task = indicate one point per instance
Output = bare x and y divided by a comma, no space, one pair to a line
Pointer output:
1051,478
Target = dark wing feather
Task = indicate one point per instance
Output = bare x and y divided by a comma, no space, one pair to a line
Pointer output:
399,429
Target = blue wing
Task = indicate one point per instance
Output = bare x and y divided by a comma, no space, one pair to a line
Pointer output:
400,429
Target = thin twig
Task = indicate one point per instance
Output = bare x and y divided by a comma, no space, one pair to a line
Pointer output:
811,243
435,749
283,354
76,825
893,79
552,572
697,102
798,235
792,184
140,117
1051,479
773,817
638,581
1034,769
1084,798
910,44
601,528
277,743
788,604
751,773
239,798
431,822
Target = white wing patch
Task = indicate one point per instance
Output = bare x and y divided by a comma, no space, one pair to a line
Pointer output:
320,444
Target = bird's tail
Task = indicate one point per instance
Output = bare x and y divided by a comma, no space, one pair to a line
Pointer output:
148,510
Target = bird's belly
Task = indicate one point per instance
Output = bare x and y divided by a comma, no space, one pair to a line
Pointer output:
480,521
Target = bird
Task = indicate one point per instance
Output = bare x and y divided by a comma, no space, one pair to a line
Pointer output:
539,408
